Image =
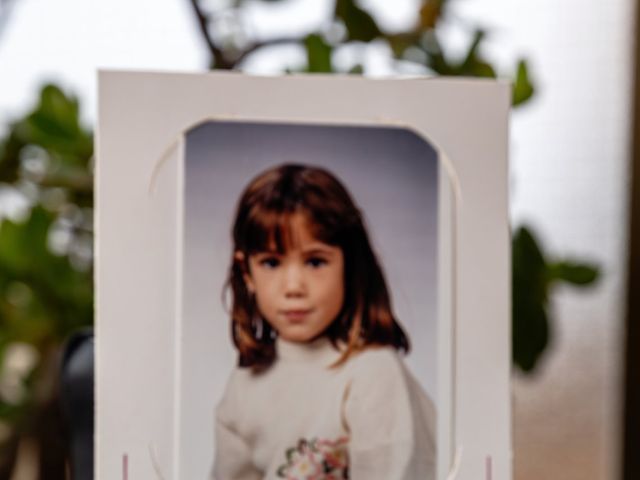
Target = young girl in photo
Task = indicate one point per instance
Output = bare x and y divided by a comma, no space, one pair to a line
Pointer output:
320,391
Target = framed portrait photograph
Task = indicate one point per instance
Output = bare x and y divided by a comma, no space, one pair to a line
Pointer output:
301,277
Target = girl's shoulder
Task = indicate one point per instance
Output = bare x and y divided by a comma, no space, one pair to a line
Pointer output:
377,360
380,374
234,395
237,381
379,353
239,378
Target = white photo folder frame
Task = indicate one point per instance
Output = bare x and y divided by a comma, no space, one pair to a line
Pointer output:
142,120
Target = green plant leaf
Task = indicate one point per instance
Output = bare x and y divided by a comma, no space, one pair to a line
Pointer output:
473,50
579,274
318,54
360,25
530,325
480,69
10,149
523,88
532,278
473,65
61,296
530,334
529,265
436,59
55,126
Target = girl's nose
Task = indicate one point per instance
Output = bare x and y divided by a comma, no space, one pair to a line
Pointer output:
294,281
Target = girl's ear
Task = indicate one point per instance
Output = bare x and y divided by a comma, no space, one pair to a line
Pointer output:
248,283
241,258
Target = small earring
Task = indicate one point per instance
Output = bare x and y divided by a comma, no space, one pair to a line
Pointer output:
257,324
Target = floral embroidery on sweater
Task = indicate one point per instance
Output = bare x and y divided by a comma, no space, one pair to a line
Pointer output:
318,459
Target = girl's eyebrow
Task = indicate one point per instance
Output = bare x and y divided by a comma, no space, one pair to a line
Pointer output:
267,252
314,250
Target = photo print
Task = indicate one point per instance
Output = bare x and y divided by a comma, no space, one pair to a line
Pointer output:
391,175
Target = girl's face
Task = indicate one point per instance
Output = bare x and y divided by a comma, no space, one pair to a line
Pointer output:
301,291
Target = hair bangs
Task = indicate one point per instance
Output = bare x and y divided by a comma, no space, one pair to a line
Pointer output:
270,230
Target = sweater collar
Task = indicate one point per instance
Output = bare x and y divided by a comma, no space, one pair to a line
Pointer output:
319,350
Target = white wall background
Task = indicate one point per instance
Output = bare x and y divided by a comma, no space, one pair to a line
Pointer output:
570,152
569,164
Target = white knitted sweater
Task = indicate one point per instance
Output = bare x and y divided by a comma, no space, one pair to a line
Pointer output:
366,420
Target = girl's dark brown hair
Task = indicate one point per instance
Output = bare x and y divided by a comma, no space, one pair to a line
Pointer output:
263,220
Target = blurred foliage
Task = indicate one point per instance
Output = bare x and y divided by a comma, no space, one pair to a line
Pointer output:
46,189
46,278
318,54
534,276
359,23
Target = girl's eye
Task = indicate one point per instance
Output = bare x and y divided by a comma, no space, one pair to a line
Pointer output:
316,262
270,262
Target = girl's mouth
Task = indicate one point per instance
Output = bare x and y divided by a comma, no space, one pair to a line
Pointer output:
296,315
